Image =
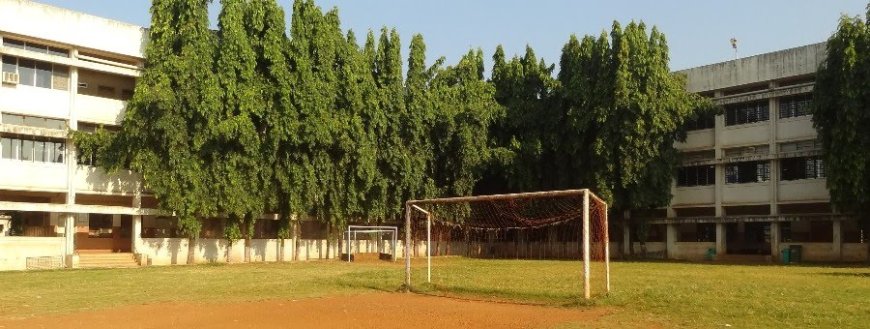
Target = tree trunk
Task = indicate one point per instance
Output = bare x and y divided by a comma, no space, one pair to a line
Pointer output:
191,249
328,239
249,233
296,235
229,250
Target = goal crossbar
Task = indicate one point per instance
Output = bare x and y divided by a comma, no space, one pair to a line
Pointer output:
586,194
352,230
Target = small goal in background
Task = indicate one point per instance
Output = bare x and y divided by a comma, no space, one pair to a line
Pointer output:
564,225
370,243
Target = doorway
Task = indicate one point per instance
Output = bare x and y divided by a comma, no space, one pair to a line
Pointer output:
752,238
104,234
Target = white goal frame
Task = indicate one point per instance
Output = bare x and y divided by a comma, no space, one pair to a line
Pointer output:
353,230
414,205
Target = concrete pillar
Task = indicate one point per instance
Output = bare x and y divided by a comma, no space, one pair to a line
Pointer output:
70,158
136,235
671,240
774,240
69,232
838,239
720,238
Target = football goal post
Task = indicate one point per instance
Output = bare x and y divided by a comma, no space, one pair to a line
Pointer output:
371,239
565,225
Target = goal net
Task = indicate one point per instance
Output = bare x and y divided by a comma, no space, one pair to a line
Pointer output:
551,225
366,242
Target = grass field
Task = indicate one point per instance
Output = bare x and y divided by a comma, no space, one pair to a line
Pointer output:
670,294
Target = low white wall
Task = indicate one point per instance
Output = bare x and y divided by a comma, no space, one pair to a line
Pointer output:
694,251
14,251
854,252
825,252
168,251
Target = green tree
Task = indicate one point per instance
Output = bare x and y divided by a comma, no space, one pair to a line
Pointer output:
524,86
841,116
235,146
393,159
417,122
465,109
168,123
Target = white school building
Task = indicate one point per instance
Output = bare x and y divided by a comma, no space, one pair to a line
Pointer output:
751,181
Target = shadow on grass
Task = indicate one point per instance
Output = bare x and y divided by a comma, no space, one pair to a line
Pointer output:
502,297
857,275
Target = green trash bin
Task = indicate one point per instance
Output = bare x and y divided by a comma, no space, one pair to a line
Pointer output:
786,255
796,252
711,254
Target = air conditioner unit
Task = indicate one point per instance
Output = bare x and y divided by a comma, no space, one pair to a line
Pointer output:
10,78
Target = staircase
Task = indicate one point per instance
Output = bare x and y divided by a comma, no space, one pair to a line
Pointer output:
107,260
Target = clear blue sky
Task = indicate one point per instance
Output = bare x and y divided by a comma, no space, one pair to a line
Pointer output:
698,32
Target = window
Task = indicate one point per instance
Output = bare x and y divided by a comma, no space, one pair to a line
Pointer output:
802,168
807,145
795,106
37,73
100,226
9,148
807,231
10,64
738,114
26,150
13,43
702,122
702,232
747,172
696,176
31,121
26,72
32,150
160,227
43,74
58,152
35,47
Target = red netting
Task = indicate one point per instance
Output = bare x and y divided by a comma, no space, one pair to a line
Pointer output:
544,225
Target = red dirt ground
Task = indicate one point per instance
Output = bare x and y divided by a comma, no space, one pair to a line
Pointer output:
378,310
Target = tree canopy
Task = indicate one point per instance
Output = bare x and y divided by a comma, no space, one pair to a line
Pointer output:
253,119
840,114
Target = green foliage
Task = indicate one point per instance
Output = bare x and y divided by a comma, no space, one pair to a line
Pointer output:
249,120
609,120
465,108
169,120
840,114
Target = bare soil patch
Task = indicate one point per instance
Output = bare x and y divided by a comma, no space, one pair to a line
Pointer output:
377,310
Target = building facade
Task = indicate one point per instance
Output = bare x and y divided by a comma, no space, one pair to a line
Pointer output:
66,71
752,182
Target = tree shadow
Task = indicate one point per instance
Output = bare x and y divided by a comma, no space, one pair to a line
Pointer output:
865,275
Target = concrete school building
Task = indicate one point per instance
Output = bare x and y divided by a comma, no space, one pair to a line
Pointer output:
61,71
752,182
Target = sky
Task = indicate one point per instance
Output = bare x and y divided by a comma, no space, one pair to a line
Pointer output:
698,32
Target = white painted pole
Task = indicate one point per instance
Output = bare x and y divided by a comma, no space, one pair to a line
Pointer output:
606,248
407,247
586,293
395,243
429,248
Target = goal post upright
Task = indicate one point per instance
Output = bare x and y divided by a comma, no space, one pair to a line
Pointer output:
406,252
506,207
586,257
607,250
